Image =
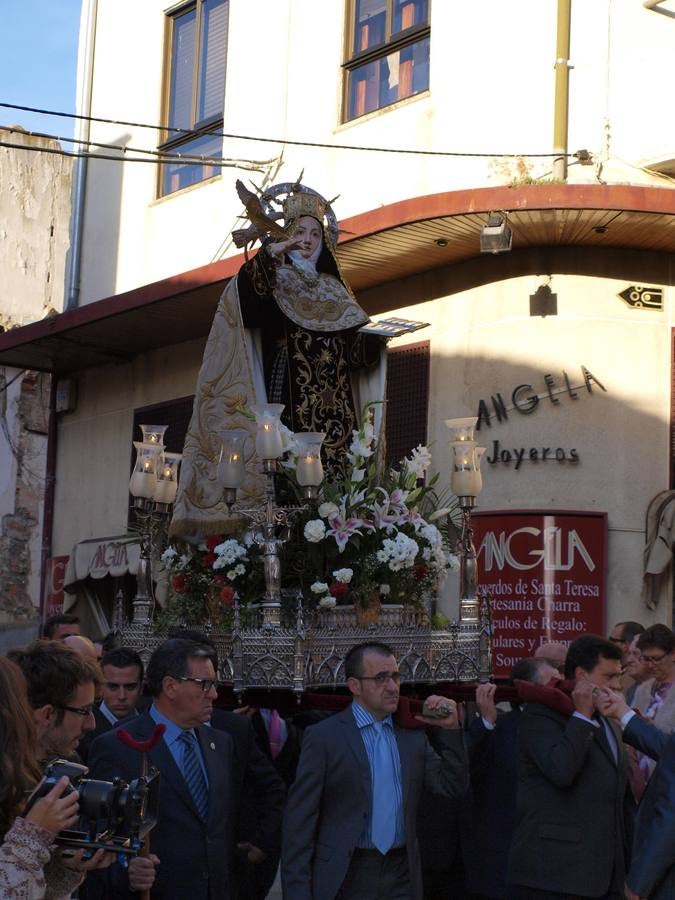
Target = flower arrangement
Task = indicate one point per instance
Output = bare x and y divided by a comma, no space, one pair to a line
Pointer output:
372,538
204,580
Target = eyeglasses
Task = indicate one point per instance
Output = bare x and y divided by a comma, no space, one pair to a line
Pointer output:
206,683
83,711
381,678
653,660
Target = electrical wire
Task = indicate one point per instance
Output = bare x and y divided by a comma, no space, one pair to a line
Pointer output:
187,132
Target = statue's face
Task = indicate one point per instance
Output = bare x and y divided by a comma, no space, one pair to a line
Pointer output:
308,231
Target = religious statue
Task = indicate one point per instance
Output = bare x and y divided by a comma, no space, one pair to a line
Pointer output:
287,330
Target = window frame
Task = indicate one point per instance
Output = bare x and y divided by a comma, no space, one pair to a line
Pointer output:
169,142
389,45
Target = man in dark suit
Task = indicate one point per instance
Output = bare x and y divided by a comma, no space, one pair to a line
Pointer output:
652,869
193,838
121,689
349,829
573,804
492,742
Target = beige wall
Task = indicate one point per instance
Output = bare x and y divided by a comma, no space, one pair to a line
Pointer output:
491,91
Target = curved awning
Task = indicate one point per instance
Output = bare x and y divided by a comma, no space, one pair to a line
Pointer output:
429,245
98,557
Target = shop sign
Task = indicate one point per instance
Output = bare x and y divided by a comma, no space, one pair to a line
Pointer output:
53,588
546,573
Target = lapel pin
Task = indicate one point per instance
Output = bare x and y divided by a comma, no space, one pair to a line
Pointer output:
212,745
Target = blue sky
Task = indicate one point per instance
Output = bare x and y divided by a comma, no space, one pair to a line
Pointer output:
38,61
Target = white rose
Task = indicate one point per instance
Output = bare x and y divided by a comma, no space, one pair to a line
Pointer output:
319,587
327,602
343,575
328,510
315,531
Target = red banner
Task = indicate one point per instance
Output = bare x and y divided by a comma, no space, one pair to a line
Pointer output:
546,573
56,570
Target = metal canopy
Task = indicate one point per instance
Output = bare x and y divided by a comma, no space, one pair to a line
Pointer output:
595,229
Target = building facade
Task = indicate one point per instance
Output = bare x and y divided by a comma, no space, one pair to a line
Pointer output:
425,118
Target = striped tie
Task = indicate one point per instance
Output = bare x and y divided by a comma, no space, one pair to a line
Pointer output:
193,773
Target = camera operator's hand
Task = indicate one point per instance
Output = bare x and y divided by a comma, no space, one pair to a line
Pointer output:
142,872
54,812
100,860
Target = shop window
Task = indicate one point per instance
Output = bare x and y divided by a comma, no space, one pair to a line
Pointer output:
407,399
194,90
387,53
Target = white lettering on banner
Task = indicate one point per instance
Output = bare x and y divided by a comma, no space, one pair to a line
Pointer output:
497,550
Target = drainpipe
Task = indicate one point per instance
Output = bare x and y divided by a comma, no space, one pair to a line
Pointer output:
48,502
85,78
562,90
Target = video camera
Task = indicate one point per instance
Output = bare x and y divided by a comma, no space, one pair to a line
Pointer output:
114,815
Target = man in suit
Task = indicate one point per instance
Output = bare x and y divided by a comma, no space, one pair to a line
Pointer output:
350,823
121,688
193,838
652,869
573,804
492,742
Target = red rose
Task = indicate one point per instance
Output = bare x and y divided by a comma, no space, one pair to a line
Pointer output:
208,560
338,589
213,541
178,583
420,571
227,595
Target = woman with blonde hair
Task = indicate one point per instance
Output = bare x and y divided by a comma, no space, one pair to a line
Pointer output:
29,869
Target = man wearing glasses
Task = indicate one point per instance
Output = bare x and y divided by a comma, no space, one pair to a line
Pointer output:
193,841
350,825
61,688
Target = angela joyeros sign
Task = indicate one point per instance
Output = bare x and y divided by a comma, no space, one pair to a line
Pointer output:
546,573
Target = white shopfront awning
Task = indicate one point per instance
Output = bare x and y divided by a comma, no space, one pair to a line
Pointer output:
98,557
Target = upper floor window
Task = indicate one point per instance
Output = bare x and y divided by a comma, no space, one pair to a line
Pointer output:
388,55
194,89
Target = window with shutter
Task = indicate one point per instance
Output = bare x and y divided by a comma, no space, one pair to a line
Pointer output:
195,90
387,53
407,399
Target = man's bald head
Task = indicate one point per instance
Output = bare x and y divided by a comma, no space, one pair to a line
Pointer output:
554,653
82,645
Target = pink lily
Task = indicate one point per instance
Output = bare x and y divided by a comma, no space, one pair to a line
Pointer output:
342,529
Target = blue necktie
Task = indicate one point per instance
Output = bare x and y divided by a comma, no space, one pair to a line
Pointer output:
383,828
193,773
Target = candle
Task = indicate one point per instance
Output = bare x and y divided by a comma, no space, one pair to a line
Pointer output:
231,470
165,492
142,483
268,443
463,483
309,471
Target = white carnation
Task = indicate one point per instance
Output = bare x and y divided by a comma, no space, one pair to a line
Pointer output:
328,510
327,602
343,575
315,531
319,587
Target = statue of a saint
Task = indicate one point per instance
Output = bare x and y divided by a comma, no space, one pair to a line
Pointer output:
286,331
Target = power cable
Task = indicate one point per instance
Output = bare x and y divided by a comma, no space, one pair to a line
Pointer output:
273,140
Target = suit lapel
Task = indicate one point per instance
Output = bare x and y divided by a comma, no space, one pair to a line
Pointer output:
354,741
603,741
218,762
160,757
404,756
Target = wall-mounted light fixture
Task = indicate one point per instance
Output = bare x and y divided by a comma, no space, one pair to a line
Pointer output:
495,236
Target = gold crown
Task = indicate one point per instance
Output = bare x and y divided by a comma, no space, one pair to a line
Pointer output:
302,203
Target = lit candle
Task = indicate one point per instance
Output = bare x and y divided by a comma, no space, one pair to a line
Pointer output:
268,442
231,470
165,492
309,471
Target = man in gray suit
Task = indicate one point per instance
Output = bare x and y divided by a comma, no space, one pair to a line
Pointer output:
349,830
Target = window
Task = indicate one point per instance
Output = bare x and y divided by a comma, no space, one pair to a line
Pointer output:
388,53
195,89
407,399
